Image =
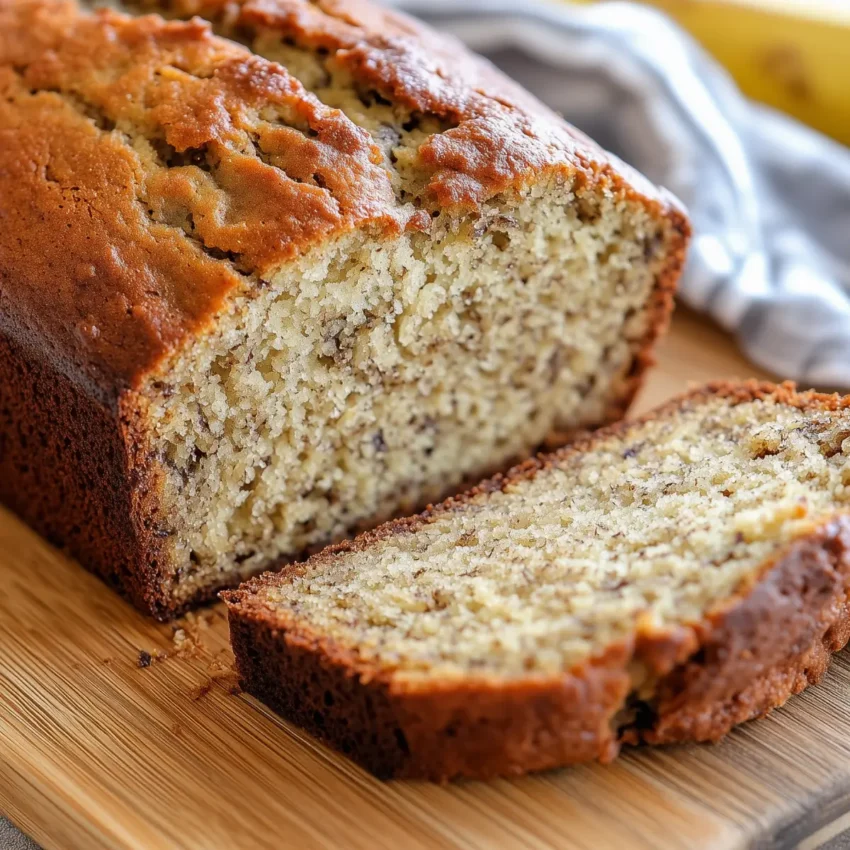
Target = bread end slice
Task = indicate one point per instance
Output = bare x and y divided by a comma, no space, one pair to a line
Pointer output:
715,586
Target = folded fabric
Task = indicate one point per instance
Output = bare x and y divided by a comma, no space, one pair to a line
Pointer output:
769,198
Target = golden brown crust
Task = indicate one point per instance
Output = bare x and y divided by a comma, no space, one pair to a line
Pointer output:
101,269
768,641
101,272
497,134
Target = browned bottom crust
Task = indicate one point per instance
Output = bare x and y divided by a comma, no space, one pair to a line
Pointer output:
774,643
769,641
770,644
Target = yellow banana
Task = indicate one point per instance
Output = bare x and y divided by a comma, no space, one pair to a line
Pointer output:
791,54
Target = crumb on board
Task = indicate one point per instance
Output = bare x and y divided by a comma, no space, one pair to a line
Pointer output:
146,658
186,634
226,678
186,638
201,691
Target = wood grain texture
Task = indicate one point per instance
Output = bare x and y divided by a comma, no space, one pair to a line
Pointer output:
98,752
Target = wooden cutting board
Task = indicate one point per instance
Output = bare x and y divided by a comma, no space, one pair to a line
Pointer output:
97,751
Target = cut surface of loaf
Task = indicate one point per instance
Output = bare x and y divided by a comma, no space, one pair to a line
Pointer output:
658,581
262,291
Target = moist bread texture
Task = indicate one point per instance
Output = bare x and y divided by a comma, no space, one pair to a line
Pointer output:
658,581
261,291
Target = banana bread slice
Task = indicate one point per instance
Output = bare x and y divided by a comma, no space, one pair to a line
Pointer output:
249,305
659,581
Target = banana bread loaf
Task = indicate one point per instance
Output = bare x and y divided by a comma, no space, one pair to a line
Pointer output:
659,581
250,304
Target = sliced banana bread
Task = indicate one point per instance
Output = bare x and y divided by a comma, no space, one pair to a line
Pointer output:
659,581
240,319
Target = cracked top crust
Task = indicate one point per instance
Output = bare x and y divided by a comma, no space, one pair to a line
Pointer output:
151,168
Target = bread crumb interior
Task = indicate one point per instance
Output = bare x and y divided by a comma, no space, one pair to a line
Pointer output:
374,376
662,522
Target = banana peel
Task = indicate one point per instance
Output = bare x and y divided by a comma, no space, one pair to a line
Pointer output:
791,54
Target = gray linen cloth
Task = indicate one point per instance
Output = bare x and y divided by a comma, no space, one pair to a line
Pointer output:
769,199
